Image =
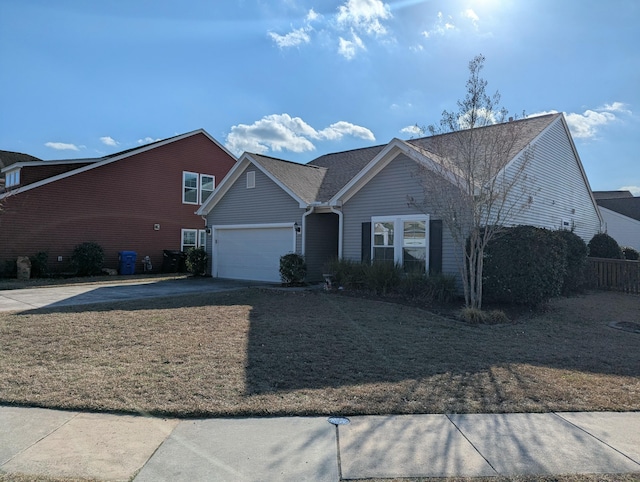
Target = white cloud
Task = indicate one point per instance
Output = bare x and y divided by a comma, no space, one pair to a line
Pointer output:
364,15
278,132
108,141
311,16
296,36
292,39
413,130
349,48
147,140
441,27
587,124
62,146
616,107
338,130
471,15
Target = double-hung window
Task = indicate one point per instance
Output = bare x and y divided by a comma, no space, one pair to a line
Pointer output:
193,238
196,188
402,240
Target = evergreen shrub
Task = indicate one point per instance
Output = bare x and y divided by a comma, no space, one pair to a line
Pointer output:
87,259
524,265
604,246
293,269
196,261
577,251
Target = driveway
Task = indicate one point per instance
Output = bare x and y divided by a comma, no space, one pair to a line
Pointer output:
84,294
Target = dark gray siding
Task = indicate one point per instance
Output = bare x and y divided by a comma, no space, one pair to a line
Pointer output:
322,243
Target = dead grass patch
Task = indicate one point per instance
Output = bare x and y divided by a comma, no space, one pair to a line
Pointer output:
263,352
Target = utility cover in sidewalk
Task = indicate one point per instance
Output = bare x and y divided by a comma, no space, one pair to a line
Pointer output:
338,420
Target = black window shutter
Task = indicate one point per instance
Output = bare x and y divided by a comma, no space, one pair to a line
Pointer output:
366,243
435,246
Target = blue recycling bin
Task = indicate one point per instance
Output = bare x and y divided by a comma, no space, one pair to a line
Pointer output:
127,262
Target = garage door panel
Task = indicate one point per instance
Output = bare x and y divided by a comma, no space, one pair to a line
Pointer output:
252,253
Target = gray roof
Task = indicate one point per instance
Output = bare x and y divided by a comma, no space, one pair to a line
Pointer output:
611,194
302,179
342,167
516,135
8,157
627,206
323,177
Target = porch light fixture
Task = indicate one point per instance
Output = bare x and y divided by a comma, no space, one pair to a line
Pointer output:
297,227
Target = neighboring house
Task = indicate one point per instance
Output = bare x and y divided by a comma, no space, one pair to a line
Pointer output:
621,214
354,205
142,199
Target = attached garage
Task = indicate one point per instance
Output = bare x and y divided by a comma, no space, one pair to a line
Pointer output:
251,252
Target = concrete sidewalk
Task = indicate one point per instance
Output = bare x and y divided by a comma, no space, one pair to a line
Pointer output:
118,447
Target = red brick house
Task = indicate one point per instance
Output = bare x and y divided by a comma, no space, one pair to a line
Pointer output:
142,200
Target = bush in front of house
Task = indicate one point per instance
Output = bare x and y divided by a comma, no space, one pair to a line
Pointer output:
577,252
524,265
87,259
293,269
39,262
386,278
383,277
630,253
196,261
351,275
604,246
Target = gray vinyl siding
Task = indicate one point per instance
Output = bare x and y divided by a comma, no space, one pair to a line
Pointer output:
556,186
266,203
625,230
386,195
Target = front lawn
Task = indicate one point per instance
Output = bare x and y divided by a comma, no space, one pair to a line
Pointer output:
266,352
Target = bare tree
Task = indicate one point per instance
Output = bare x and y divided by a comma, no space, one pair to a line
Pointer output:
471,182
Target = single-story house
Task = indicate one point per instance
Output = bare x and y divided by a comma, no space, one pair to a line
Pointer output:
353,204
140,200
621,214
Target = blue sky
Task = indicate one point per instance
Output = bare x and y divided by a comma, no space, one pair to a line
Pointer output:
299,78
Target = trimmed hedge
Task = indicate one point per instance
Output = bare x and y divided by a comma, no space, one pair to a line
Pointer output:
293,269
577,252
87,259
196,261
604,246
524,265
630,253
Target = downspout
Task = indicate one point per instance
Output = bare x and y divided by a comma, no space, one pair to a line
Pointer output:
304,229
209,240
340,230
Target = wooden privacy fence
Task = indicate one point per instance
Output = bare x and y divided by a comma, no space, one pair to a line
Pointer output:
614,274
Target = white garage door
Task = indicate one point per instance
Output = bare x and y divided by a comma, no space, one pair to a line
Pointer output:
252,253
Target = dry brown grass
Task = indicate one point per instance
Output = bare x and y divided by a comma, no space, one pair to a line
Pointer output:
260,352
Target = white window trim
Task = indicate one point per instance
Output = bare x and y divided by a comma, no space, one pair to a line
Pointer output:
201,238
398,239
197,188
251,179
182,233
200,190
12,178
